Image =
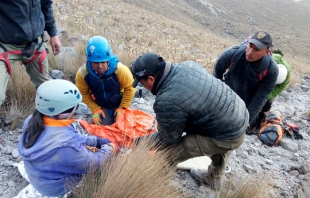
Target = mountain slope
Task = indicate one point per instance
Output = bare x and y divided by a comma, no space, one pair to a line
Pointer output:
288,21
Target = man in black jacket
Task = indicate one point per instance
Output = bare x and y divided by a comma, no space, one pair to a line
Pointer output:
189,99
252,72
23,23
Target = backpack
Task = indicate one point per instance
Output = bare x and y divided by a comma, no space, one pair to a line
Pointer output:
272,128
242,46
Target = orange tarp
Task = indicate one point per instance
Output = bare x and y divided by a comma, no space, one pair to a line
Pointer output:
129,125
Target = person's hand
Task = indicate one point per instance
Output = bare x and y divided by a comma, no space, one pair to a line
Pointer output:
119,111
115,147
102,141
96,116
55,43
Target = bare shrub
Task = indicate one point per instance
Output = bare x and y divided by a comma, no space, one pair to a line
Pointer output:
20,91
125,58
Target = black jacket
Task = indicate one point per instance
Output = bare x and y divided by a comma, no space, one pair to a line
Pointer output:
243,77
193,101
23,21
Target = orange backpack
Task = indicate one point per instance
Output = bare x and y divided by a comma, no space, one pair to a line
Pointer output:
271,129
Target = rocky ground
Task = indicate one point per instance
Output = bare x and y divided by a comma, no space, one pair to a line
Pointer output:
287,164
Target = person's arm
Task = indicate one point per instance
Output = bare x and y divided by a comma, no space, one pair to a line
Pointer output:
223,61
47,10
84,89
171,119
78,160
278,89
50,25
263,91
125,79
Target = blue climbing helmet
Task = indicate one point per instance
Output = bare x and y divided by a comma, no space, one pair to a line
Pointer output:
56,96
98,49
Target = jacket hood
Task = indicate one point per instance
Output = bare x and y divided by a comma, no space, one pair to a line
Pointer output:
47,143
112,66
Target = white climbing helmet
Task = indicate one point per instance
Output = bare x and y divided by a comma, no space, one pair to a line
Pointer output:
282,74
56,96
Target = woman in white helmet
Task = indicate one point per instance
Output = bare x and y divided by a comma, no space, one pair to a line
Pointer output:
282,81
54,153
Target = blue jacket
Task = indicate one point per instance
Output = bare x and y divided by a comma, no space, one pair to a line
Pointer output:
59,158
106,89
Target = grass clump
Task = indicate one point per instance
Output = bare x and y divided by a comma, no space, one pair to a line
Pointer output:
137,174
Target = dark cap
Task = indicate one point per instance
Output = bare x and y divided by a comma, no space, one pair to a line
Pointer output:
146,65
261,40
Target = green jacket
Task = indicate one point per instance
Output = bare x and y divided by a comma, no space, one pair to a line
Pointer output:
279,88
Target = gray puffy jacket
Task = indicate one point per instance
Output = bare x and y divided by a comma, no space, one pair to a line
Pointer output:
193,101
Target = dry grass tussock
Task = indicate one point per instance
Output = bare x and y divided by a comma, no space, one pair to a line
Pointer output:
137,174
20,93
255,186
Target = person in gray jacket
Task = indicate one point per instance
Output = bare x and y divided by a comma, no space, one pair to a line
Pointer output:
23,23
252,72
189,99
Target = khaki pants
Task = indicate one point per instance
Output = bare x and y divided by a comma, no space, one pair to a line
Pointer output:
32,68
219,151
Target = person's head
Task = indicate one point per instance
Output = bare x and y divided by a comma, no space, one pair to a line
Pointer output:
98,53
56,97
258,46
145,69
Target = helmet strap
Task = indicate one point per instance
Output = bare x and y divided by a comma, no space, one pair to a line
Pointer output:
72,112
64,116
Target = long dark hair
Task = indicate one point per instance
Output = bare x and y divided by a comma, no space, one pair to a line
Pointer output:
35,128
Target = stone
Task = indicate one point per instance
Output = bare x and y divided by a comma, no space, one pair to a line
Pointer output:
15,153
57,74
11,183
304,88
289,145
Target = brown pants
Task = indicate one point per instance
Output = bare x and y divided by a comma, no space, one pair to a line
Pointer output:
196,145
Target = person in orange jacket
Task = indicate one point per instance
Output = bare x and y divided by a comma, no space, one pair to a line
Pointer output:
104,82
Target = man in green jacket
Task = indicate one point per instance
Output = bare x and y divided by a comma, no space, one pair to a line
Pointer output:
283,80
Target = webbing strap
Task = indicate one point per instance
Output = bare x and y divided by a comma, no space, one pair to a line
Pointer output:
36,54
5,58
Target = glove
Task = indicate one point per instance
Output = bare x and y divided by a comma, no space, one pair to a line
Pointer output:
115,147
96,116
102,141
119,111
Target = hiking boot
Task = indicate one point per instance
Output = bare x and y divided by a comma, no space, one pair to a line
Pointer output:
202,176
